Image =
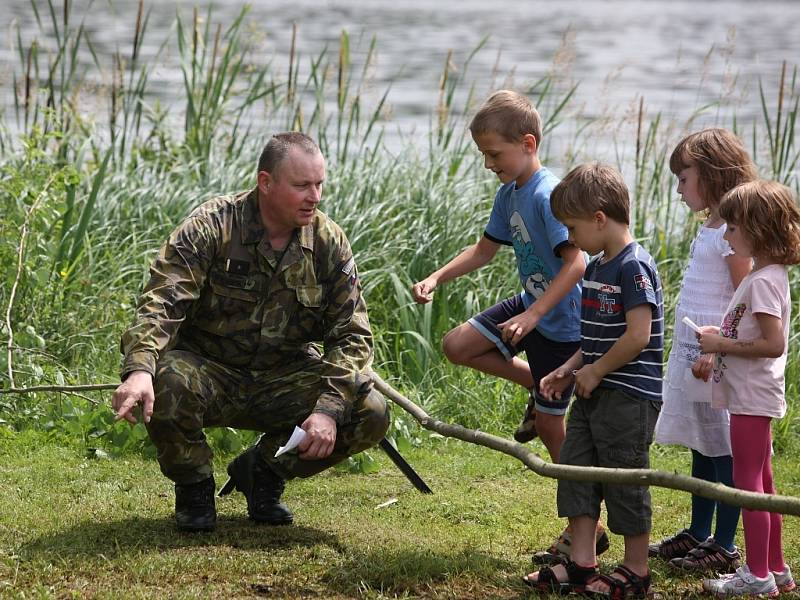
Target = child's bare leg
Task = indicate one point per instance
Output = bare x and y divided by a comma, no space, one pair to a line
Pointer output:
466,346
635,559
551,430
582,547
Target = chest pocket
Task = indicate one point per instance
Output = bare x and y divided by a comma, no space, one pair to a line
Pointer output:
308,317
310,296
230,302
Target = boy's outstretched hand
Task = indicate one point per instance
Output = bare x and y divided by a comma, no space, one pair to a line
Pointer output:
555,382
423,290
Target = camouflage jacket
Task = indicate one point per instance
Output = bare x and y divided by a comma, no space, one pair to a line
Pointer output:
214,290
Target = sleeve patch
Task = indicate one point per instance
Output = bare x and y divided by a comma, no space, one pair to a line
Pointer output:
642,282
348,267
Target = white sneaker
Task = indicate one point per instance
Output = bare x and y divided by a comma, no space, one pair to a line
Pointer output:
742,583
784,580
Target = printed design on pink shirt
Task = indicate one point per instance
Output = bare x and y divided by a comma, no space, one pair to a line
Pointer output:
729,329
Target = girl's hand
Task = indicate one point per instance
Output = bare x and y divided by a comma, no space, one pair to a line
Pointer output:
586,379
555,382
703,367
710,340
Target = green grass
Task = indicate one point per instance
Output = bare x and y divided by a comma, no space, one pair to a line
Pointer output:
99,193
98,528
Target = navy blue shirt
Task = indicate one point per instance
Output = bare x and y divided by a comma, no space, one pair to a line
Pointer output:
609,290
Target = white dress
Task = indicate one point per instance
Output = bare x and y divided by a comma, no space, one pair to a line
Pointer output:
687,417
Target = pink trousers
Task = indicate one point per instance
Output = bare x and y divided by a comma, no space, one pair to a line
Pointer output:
751,442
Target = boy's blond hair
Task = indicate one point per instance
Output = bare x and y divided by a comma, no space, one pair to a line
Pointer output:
721,161
509,114
588,188
767,212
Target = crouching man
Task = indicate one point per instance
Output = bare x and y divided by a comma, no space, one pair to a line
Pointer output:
225,334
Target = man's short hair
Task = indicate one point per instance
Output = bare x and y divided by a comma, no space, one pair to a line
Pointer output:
588,188
278,147
509,114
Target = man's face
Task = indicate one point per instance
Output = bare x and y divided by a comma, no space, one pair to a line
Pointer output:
510,161
291,194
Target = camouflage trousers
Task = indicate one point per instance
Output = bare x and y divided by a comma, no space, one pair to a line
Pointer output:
193,392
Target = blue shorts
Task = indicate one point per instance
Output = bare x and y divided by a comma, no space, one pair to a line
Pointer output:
544,355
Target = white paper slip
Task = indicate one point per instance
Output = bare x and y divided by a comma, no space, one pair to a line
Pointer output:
691,324
298,435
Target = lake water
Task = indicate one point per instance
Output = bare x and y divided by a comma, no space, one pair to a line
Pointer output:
678,55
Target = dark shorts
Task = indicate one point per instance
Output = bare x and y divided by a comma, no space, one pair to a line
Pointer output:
609,429
544,355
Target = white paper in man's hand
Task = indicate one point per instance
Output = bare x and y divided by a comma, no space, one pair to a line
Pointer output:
298,435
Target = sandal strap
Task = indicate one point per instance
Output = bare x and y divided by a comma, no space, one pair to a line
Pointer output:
632,577
578,574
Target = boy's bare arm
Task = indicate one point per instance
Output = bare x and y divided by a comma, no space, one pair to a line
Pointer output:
624,350
771,344
571,272
467,261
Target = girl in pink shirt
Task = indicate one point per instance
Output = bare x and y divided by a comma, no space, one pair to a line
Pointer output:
763,221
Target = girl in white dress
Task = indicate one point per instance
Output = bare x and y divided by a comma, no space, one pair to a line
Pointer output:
708,164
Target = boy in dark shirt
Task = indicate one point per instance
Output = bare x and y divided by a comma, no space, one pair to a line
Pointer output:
617,378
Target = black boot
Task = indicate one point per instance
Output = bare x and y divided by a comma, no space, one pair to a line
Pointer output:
194,506
262,488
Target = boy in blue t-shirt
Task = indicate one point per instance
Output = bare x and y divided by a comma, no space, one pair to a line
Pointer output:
617,378
544,319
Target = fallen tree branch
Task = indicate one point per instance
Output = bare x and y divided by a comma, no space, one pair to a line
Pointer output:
787,505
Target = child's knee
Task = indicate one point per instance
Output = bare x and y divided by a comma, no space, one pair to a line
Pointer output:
453,348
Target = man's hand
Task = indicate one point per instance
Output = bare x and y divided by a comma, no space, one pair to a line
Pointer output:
586,380
555,382
423,290
710,340
703,366
517,327
136,389
320,438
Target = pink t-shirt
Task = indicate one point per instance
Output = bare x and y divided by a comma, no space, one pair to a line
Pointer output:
745,385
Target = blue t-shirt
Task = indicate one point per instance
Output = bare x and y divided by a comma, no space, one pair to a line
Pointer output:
522,218
609,289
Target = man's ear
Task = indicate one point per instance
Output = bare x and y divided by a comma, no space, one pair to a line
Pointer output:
264,181
529,142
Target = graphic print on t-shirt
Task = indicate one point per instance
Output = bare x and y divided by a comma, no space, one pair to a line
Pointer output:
535,272
729,329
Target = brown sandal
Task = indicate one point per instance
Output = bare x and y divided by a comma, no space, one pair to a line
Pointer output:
632,586
577,578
